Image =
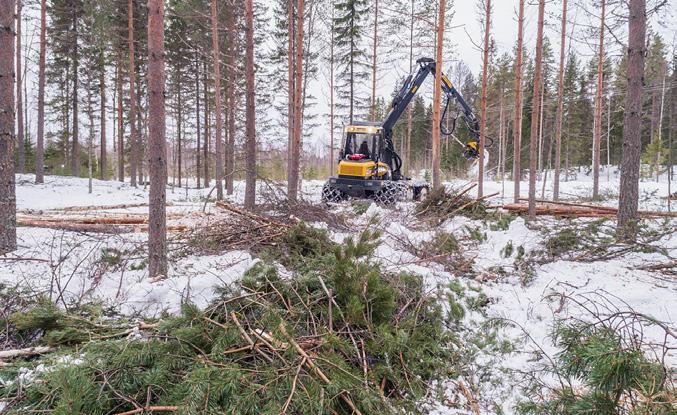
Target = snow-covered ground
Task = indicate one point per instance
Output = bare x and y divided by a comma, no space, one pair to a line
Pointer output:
81,267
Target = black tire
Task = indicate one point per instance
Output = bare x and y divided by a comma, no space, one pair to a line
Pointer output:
391,193
331,194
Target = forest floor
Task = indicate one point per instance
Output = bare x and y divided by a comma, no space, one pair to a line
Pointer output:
505,268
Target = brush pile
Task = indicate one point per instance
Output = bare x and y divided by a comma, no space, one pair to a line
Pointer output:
338,337
441,204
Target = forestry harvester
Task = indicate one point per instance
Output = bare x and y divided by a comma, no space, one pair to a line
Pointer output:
369,167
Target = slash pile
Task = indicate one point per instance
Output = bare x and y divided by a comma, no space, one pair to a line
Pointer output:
338,336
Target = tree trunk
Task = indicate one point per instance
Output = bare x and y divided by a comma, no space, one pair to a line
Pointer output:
7,138
40,150
332,161
533,141
294,173
90,138
218,173
179,127
560,105
232,103
517,124
157,163
21,137
437,180
373,63
599,104
103,168
291,101
121,132
632,123
250,113
207,138
133,156
483,100
75,150
197,123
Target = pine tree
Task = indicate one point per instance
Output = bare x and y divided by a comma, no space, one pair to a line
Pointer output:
157,218
7,132
629,189
349,31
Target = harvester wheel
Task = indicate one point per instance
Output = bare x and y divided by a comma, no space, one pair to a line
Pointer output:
390,193
331,194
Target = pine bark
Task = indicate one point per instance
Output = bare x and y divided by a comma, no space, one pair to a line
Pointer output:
291,101
250,112
483,100
599,104
157,163
535,115
218,173
21,136
437,180
133,157
179,127
232,102
197,123
121,142
560,105
207,126
7,137
40,148
75,149
103,158
293,181
374,62
632,123
517,124
331,97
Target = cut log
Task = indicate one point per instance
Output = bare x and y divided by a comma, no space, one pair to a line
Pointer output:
29,351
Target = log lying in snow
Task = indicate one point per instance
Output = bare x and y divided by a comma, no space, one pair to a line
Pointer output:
29,351
548,208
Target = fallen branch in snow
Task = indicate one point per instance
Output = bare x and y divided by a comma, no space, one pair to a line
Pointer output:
150,409
668,267
29,351
547,208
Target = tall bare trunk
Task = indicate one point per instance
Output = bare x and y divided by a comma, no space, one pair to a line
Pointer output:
103,167
40,149
250,112
483,100
517,124
21,137
75,150
295,151
437,180
197,123
291,90
332,161
232,102
632,123
207,125
599,104
535,119
179,138
560,105
374,62
7,137
121,132
133,156
410,112
218,173
157,153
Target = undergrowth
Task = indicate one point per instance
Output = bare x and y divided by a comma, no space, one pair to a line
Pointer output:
340,336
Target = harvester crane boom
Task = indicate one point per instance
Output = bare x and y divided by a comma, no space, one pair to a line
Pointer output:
402,101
